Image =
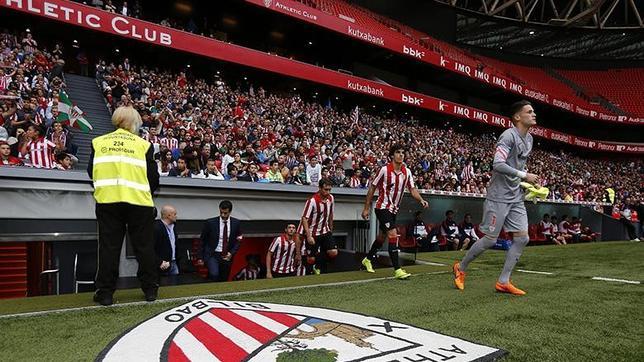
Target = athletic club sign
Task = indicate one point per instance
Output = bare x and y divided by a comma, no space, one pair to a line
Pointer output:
214,330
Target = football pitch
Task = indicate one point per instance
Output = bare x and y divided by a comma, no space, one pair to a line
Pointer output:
566,315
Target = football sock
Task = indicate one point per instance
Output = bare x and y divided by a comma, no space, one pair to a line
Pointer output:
393,252
373,252
477,249
512,257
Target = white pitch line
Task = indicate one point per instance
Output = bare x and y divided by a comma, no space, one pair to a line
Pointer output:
180,299
429,263
617,280
534,272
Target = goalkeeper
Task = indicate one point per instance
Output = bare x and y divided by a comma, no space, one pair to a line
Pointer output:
504,206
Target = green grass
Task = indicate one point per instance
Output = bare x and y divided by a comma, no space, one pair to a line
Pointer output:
564,317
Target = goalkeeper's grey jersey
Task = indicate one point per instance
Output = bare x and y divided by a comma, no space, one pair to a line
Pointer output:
510,157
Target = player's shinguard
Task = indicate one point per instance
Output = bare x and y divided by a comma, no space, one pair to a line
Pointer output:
391,182
504,206
316,228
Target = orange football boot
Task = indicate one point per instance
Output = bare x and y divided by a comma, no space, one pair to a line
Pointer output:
508,288
459,276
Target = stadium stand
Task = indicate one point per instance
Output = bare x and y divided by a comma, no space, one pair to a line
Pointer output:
260,126
622,87
537,78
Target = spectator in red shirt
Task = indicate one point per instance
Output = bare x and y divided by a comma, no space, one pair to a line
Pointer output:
6,159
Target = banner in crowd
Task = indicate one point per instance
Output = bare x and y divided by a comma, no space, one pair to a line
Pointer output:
399,43
96,19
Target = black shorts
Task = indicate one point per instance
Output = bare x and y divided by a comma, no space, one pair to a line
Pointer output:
386,219
282,275
323,242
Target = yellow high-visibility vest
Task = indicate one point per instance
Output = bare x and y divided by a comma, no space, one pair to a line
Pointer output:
611,195
120,169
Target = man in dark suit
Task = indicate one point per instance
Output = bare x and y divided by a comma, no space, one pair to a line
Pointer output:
220,239
165,241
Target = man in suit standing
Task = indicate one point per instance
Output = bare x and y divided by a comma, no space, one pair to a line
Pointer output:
220,239
165,241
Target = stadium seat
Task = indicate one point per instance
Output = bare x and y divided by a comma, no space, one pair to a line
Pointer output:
84,269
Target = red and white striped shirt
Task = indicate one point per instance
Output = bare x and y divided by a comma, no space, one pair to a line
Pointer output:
247,273
318,214
152,139
170,143
546,228
354,183
391,186
283,251
41,153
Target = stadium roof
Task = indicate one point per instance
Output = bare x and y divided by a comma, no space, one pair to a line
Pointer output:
589,29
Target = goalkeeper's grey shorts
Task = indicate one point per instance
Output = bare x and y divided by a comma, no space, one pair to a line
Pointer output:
512,217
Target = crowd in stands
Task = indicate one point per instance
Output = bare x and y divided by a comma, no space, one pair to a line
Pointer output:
31,78
255,135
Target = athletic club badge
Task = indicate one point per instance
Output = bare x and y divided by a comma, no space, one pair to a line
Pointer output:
213,330
267,3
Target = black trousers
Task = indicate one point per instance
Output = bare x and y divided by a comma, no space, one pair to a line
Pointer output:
218,268
113,221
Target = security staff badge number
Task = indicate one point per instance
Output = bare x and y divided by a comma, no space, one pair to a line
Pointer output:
215,330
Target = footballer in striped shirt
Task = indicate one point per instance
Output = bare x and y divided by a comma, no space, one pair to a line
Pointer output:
391,182
316,225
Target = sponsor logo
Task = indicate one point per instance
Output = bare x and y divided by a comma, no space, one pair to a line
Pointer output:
591,144
210,330
413,52
607,117
621,148
562,104
492,226
365,35
412,100
365,88
295,11
559,137
536,95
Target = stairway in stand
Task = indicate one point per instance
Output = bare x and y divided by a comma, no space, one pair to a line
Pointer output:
85,93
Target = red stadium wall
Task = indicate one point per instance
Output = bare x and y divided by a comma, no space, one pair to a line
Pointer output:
92,18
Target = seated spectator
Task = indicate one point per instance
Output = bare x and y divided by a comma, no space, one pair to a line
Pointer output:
251,175
165,163
62,138
564,227
549,230
355,180
338,178
575,229
588,235
6,159
252,270
63,162
210,172
232,174
421,233
36,150
313,170
181,170
274,174
450,231
467,233
294,177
